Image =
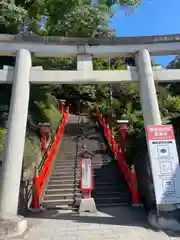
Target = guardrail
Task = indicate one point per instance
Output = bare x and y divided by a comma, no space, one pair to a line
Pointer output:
119,155
43,172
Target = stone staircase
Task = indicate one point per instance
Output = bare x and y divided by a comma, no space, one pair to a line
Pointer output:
110,187
63,188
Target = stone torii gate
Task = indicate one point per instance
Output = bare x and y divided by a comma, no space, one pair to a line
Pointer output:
23,74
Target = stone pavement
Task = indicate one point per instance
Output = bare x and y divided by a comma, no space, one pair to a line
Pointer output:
118,223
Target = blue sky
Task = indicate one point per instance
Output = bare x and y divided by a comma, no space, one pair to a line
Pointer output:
152,17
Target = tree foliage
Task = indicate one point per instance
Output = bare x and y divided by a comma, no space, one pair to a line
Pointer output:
63,18
174,87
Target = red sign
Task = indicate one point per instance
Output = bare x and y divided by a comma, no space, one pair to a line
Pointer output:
160,132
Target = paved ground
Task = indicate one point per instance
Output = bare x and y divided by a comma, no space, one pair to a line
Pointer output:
112,224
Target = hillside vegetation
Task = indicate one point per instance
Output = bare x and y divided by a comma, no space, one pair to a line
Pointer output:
42,108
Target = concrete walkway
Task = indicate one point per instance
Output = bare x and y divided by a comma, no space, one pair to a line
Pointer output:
109,223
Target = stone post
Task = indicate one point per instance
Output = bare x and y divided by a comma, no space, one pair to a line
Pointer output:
14,147
149,105
148,96
84,63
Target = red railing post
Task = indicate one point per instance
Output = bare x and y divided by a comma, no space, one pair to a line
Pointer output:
134,187
35,190
123,131
44,130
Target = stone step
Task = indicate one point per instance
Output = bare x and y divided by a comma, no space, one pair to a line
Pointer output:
99,165
65,181
114,188
106,184
62,191
62,196
104,194
104,171
64,203
65,149
60,171
107,205
65,165
62,182
68,167
103,179
61,174
109,199
58,176
98,182
59,186
70,179
74,164
64,159
66,184
110,175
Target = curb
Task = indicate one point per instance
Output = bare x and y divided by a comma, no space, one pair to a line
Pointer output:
163,223
12,227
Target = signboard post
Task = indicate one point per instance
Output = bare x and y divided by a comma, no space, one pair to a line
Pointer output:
86,183
164,164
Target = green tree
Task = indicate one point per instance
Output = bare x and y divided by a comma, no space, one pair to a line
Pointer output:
174,87
63,18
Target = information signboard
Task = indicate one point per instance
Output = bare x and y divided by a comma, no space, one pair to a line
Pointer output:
86,174
164,163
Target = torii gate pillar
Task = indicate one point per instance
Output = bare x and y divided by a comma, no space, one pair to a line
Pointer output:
148,96
11,224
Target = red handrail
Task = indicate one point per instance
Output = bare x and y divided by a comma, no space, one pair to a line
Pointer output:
39,179
129,175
